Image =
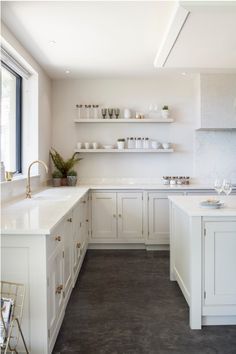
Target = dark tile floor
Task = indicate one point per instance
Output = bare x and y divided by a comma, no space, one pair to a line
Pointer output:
124,303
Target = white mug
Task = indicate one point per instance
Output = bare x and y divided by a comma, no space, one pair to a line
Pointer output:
79,145
87,145
95,145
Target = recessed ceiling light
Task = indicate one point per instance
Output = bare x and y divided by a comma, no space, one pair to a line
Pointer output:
67,71
52,42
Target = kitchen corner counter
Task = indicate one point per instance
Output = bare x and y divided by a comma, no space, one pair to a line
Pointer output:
190,205
40,214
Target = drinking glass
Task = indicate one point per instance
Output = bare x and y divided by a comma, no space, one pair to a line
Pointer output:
227,186
110,112
117,112
218,186
104,112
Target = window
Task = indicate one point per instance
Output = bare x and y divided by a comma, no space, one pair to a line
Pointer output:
11,120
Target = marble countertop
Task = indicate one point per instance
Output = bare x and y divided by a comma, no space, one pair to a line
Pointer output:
40,214
190,205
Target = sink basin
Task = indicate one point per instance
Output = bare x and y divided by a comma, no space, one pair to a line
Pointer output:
52,195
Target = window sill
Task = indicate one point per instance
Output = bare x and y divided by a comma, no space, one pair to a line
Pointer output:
18,178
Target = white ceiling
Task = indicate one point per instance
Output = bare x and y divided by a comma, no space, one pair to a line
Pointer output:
93,39
202,36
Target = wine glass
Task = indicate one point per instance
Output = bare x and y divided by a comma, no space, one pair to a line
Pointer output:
104,112
218,186
117,112
110,112
227,186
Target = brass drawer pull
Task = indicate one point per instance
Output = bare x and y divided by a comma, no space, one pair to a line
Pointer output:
58,238
78,245
69,220
87,220
59,289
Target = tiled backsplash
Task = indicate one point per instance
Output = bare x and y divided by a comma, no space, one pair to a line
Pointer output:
215,155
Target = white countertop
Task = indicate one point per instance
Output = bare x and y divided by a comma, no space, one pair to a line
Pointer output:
38,215
190,205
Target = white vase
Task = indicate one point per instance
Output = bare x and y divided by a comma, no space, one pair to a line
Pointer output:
127,113
165,113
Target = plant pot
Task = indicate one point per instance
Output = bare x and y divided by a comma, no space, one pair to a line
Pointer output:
71,180
64,181
165,113
56,182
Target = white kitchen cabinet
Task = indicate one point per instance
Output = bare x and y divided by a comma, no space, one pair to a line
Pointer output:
158,217
130,216
55,293
104,214
117,217
80,234
220,263
68,255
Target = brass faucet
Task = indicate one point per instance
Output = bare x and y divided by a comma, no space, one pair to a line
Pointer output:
28,187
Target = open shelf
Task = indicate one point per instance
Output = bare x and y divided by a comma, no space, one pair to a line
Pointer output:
124,150
124,120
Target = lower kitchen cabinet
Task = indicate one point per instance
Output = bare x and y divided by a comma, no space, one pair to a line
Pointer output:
55,293
80,234
220,265
48,266
117,217
104,215
158,217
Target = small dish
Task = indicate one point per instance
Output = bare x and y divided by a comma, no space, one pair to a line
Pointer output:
211,204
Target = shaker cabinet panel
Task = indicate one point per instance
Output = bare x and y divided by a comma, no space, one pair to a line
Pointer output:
130,215
220,263
68,256
103,216
158,217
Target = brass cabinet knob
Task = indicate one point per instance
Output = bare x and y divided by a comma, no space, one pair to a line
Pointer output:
69,220
58,238
87,220
59,289
120,216
78,245
84,201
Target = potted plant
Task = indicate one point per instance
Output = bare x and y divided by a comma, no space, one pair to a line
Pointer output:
121,143
56,178
64,166
165,112
72,178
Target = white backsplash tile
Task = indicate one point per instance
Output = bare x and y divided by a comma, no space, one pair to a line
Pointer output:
215,155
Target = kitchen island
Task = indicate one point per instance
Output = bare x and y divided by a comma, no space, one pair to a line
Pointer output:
203,258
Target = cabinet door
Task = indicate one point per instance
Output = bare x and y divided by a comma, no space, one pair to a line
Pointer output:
55,288
158,217
130,216
68,255
77,236
220,263
103,216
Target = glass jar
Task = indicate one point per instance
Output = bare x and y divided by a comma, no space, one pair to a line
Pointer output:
138,143
146,143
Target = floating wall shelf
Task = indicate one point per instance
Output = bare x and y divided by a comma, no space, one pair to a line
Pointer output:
124,150
123,120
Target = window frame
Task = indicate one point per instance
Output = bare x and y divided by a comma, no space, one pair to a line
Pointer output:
18,117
